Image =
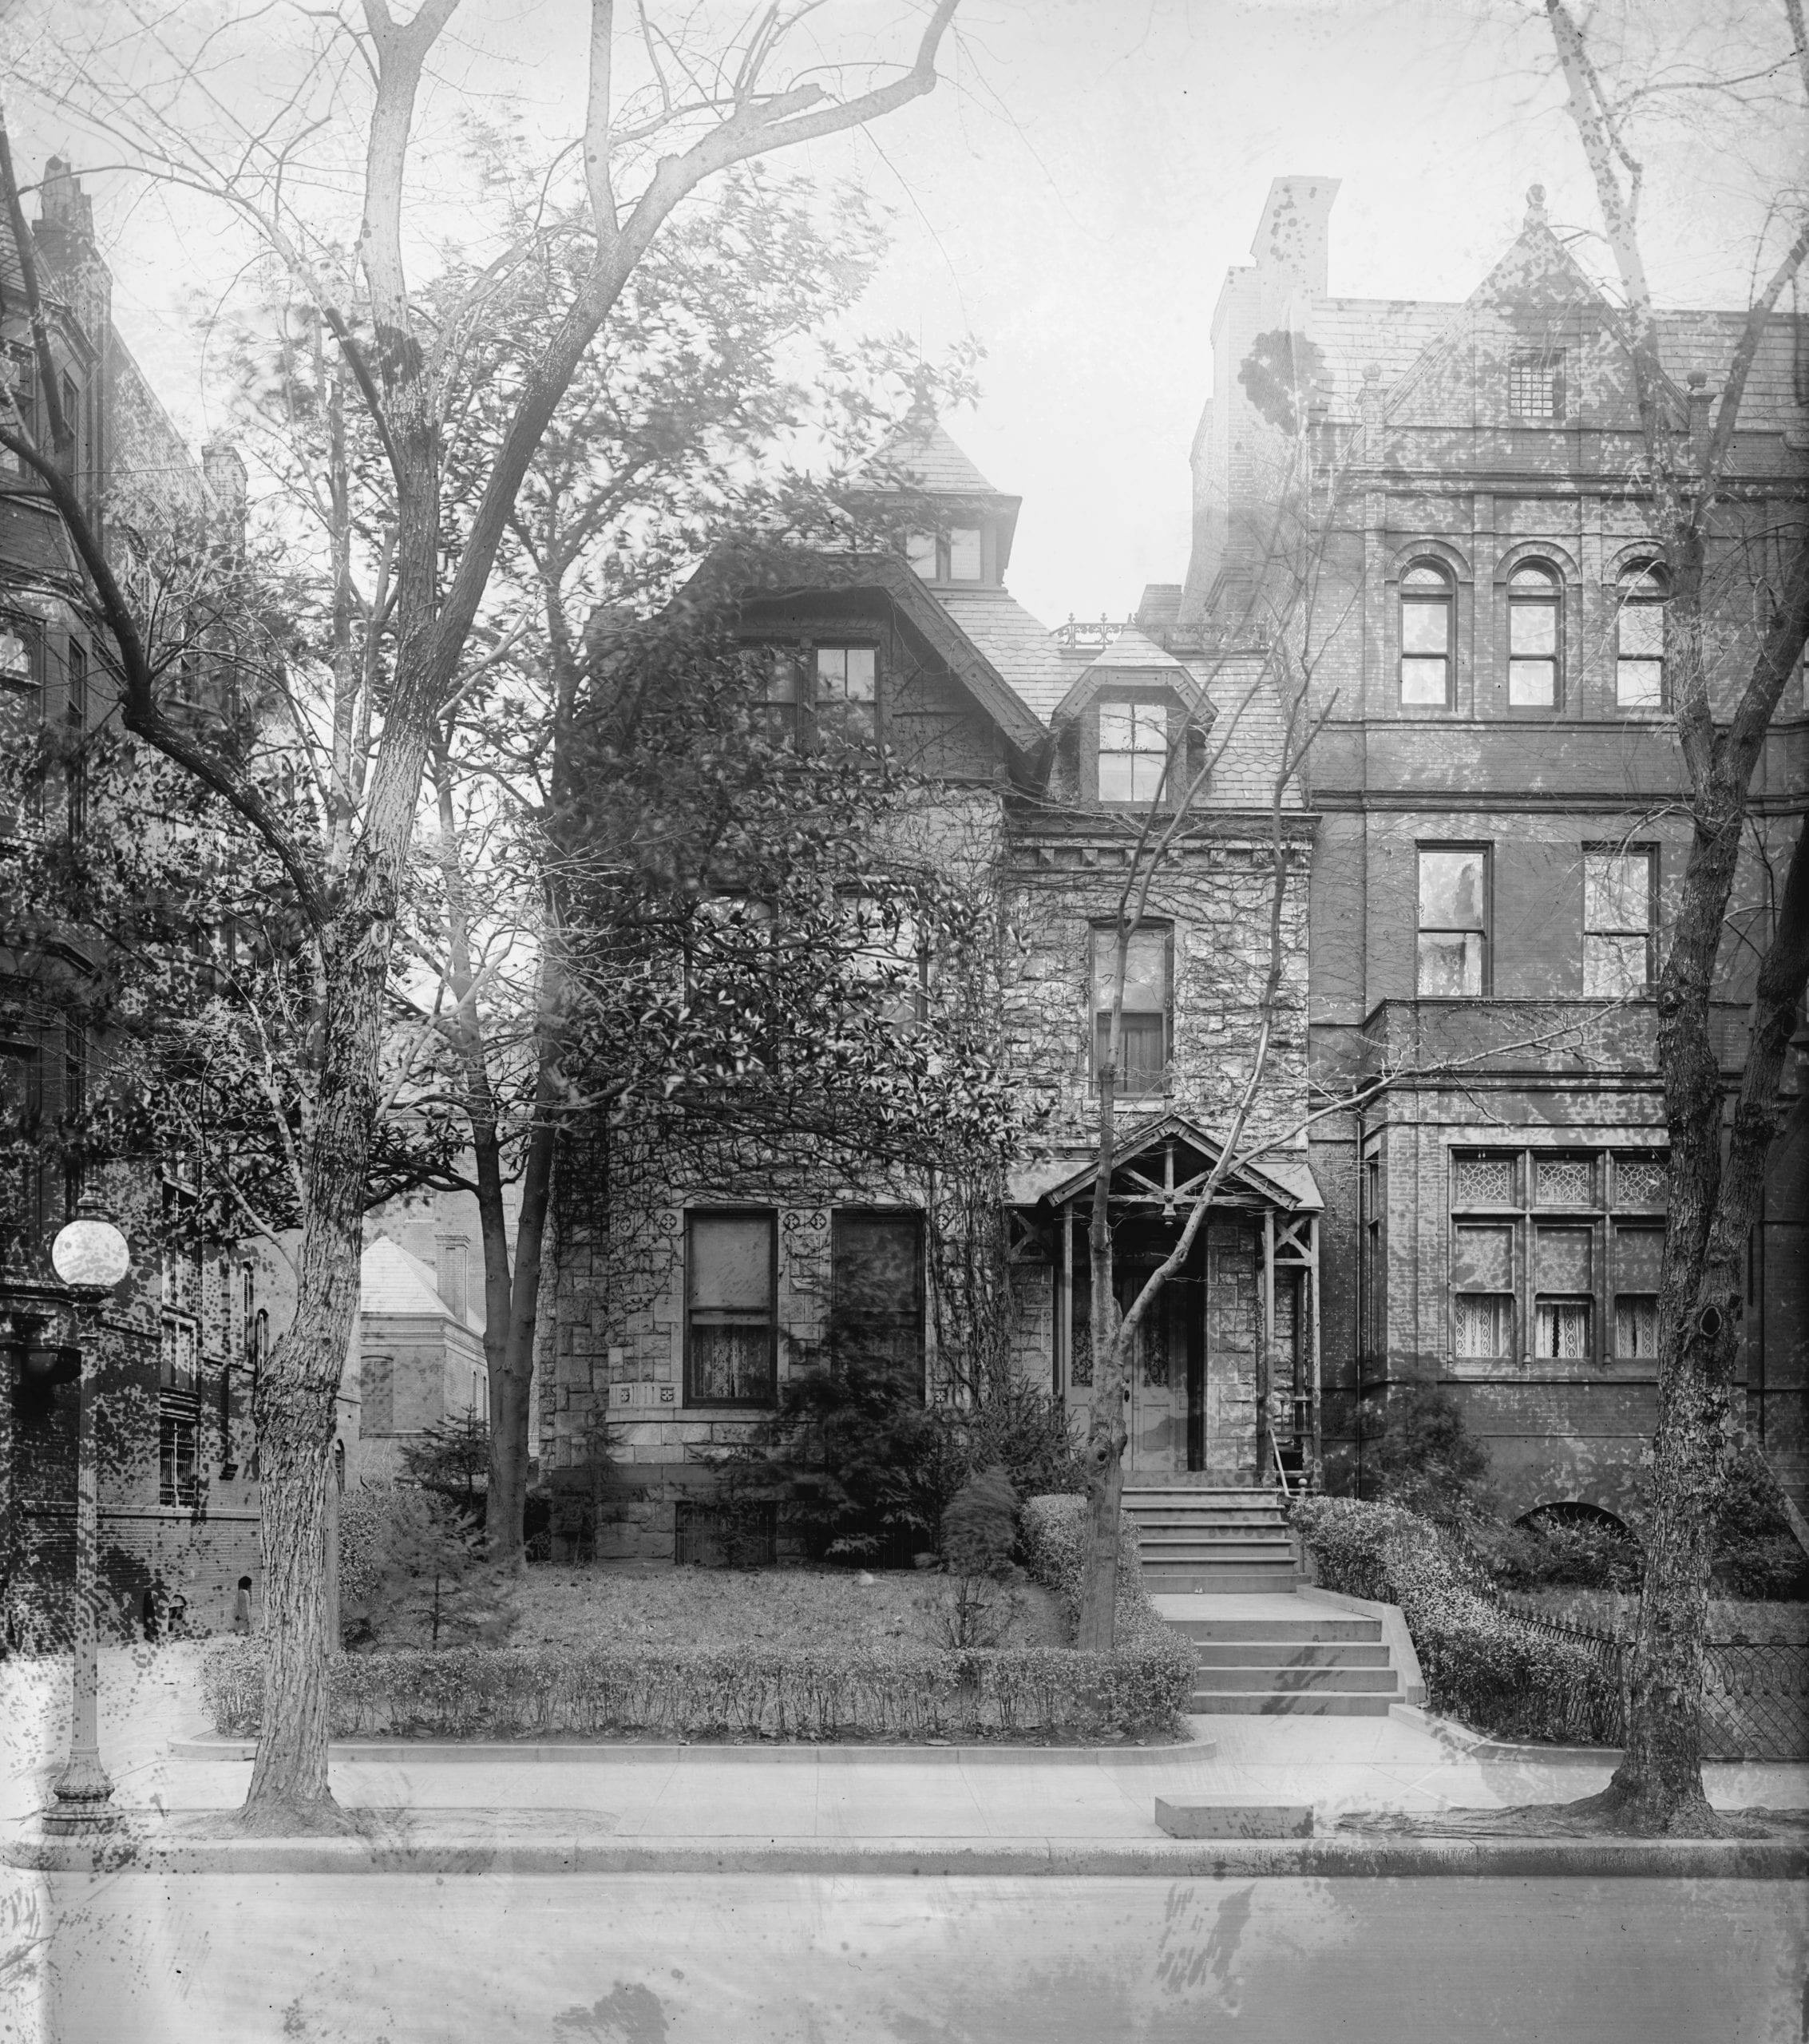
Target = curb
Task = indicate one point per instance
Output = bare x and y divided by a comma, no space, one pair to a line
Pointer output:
1334,1858
400,1751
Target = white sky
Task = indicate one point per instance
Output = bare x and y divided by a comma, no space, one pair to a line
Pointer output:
1072,195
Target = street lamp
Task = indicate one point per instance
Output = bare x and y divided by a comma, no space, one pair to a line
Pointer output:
91,1258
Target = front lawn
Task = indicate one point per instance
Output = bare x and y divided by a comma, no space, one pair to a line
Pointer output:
559,1606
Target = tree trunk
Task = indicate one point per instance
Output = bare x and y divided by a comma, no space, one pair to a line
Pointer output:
1096,1627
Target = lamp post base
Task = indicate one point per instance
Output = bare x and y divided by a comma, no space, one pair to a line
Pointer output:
83,1794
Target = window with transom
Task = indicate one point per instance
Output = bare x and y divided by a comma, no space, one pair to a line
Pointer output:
1618,888
1427,613
1554,1261
1535,611
1454,922
731,1285
1132,750
1639,639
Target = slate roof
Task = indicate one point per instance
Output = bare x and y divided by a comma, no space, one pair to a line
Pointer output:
391,1280
925,458
1021,649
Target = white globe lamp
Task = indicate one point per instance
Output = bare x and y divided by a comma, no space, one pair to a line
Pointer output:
90,1255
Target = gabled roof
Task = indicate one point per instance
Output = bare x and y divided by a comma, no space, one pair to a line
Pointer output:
391,1280
1276,1179
1537,274
933,618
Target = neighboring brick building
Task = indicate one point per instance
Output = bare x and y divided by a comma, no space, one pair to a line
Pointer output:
678,1308
1500,836
178,1503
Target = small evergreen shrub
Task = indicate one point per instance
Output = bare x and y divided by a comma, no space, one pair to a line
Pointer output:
979,1525
1428,1462
410,1573
852,1452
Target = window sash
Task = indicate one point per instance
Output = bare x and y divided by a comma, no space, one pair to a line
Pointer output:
1561,1329
1484,1324
730,1307
1132,751
1636,1326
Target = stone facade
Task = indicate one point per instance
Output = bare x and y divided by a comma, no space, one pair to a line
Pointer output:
999,722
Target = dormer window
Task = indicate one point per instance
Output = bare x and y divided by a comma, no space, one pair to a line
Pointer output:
1132,750
801,689
955,555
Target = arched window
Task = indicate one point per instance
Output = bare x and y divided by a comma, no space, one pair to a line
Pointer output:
1638,638
1426,635
1534,609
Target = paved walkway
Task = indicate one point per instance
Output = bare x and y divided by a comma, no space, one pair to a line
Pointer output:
1406,1761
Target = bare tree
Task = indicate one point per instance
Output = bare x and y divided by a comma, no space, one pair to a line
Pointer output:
1728,675
699,112
1282,612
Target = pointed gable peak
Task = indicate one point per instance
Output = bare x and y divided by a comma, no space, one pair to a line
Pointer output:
1131,649
1537,270
924,456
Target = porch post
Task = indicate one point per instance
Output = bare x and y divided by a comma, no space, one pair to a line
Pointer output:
1318,1468
1064,1343
1264,1335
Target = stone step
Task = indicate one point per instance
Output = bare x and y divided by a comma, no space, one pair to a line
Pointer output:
1322,1681
1290,1653
1198,1548
1190,1479
1314,1631
1241,1579
1287,1703
1166,1515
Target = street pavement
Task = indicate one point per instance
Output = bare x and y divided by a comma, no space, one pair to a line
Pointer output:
836,1950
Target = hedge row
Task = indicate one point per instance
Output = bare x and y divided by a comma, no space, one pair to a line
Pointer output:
1052,1539
746,1690
1481,1663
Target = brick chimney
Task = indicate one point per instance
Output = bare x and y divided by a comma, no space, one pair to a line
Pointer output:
63,234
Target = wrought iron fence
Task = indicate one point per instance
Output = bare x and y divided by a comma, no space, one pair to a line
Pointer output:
1754,1693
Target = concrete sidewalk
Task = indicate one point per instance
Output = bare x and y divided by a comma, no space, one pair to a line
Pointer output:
153,1732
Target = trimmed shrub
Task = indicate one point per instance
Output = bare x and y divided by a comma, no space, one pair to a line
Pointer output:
1481,1663
742,1690
979,1525
1052,1539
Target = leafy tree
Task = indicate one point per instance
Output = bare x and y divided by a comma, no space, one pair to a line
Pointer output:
346,869
1737,564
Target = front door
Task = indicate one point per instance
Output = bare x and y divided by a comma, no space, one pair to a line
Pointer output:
1166,1418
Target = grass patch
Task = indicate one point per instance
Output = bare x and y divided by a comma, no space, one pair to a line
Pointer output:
806,1608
